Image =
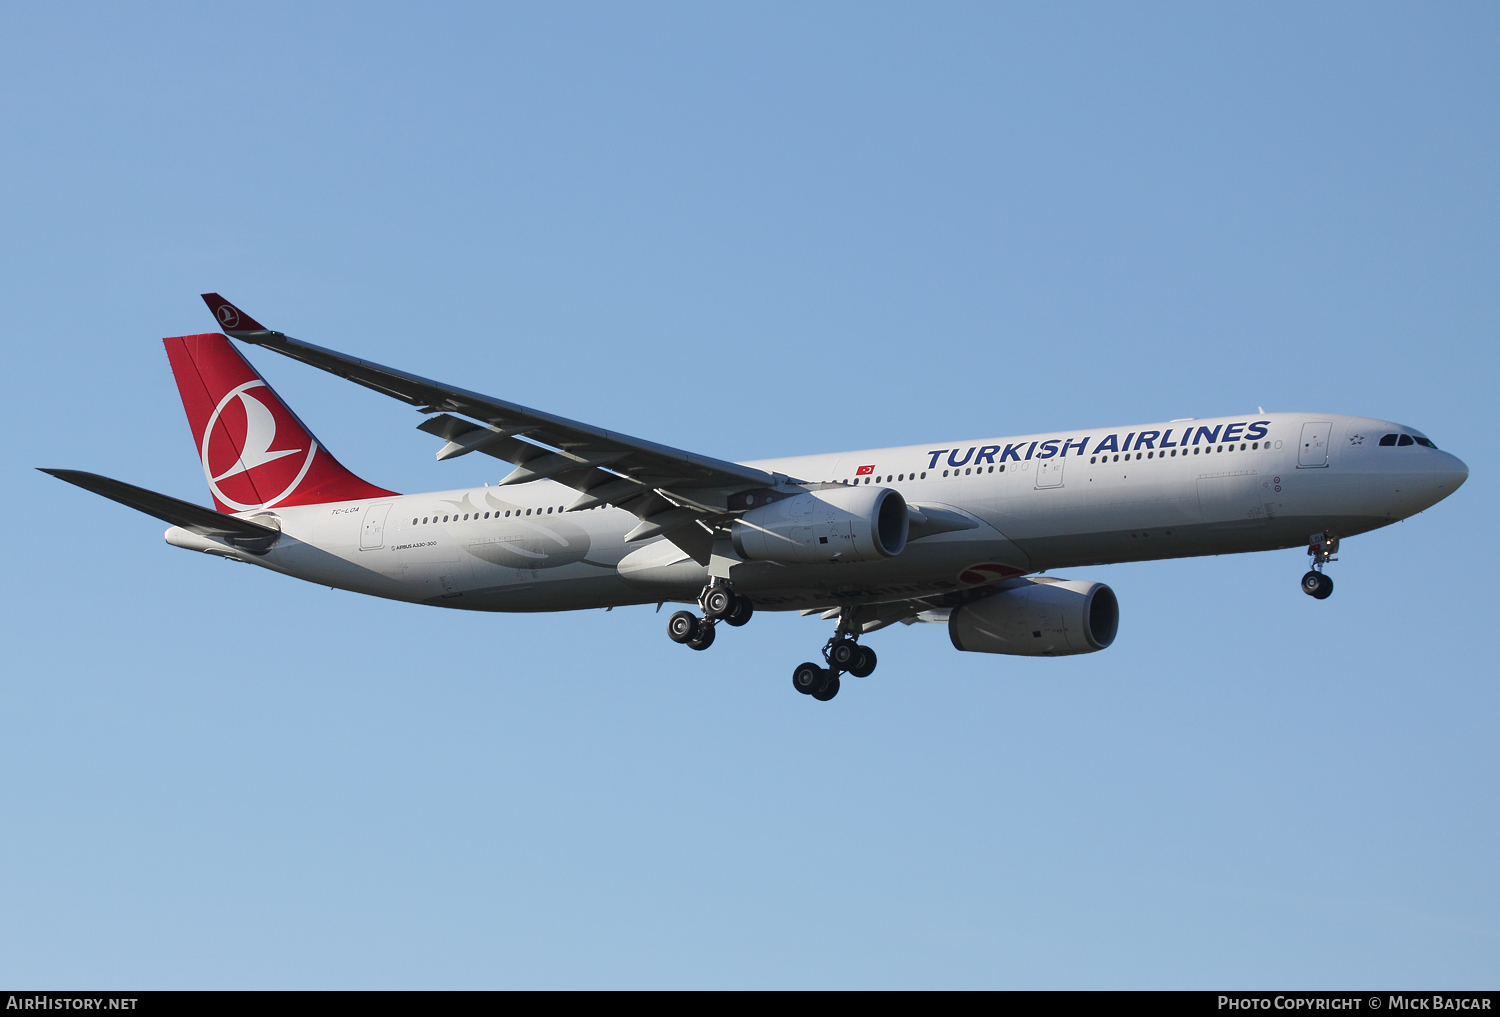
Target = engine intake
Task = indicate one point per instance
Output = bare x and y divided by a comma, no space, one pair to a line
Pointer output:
837,524
1038,618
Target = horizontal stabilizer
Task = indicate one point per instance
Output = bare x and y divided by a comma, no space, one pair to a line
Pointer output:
196,518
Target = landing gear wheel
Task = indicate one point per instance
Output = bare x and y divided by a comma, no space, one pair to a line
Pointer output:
705,637
843,654
741,612
1316,584
864,664
718,602
829,690
808,678
682,626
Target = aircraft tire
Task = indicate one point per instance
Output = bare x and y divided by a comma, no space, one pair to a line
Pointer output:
864,664
682,626
808,678
829,690
843,654
1316,584
718,603
704,637
741,612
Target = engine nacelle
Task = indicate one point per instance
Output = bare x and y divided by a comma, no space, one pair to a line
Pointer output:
1038,618
837,524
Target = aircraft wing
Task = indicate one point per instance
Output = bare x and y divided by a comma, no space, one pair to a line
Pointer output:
672,491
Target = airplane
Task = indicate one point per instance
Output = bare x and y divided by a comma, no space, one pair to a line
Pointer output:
963,533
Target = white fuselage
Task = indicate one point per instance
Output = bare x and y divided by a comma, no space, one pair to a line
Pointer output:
1040,502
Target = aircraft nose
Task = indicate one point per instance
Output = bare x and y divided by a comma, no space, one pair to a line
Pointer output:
1450,474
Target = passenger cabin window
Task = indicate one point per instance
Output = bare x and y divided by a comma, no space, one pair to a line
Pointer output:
1405,439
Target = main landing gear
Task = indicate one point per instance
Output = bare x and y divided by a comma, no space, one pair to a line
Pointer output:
1322,547
720,604
843,654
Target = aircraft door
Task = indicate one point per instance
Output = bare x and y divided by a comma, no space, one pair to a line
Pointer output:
1313,451
1049,472
372,534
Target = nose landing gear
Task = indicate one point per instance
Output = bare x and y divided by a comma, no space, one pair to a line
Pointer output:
1322,547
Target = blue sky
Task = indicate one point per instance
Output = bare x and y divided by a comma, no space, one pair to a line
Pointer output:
754,231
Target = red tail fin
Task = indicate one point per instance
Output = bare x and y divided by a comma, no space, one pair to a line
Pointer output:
255,452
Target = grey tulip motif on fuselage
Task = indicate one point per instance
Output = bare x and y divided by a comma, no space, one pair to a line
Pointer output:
520,541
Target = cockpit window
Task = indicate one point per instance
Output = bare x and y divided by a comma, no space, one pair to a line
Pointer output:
1389,439
1405,440
1424,442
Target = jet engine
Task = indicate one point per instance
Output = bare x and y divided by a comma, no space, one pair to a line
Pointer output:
1038,618
836,524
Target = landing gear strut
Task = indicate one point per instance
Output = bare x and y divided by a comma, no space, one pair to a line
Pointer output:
1322,547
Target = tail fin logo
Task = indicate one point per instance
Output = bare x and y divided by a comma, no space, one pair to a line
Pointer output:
228,316
239,462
